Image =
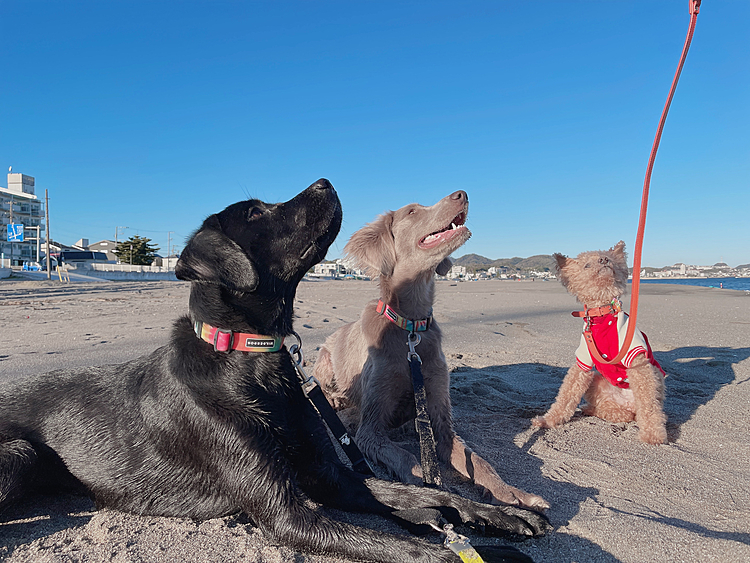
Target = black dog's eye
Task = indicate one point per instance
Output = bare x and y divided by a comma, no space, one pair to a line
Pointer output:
412,211
254,213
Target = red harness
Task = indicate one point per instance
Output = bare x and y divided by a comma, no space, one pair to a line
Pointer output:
602,335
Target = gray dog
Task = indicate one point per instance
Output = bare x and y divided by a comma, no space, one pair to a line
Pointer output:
363,364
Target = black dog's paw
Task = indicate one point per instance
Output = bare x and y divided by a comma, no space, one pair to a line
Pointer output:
503,520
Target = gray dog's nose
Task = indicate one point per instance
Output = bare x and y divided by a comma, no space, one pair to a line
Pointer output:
460,195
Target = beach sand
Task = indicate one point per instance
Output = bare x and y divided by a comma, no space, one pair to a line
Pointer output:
508,344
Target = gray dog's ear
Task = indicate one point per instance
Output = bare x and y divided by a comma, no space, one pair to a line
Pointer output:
373,247
210,256
444,267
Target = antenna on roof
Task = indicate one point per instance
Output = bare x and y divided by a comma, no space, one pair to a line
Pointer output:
10,169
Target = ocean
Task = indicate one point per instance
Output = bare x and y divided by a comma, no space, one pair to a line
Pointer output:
724,283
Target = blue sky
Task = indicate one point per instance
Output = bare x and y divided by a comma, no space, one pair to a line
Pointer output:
153,115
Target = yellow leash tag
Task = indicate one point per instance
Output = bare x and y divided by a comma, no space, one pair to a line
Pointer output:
463,549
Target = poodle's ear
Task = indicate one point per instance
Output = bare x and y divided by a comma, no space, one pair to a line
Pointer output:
561,260
444,267
210,256
562,263
373,247
619,251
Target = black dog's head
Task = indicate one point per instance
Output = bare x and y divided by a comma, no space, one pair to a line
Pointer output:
253,254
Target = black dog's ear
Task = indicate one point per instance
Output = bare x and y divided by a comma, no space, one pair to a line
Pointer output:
211,256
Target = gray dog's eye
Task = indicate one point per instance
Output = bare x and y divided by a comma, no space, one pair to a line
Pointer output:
254,213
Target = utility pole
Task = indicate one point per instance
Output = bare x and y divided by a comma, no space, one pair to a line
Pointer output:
11,222
46,220
117,233
169,243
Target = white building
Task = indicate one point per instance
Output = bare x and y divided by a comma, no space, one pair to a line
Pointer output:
20,206
457,272
330,269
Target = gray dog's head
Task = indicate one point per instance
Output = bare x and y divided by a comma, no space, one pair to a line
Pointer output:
413,240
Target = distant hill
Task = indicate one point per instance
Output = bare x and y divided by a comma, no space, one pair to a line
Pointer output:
471,260
478,262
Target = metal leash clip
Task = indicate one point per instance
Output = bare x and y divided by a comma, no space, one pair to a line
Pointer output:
295,350
412,341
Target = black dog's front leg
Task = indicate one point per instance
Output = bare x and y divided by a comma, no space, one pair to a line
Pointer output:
276,507
351,491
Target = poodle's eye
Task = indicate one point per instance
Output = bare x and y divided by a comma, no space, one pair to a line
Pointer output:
254,213
588,265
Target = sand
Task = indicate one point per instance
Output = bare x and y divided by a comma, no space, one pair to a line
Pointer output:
509,344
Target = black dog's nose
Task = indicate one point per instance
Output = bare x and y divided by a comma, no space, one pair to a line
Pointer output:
460,195
322,184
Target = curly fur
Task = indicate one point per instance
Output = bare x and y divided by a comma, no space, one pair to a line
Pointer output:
595,278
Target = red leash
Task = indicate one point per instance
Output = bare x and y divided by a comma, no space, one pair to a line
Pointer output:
694,9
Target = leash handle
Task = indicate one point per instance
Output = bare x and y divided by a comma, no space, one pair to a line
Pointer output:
694,10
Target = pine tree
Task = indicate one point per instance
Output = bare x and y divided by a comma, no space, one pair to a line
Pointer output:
137,251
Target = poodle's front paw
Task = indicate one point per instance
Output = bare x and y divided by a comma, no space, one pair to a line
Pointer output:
653,436
541,422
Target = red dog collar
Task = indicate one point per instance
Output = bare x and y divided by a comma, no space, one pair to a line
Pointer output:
613,308
226,340
412,326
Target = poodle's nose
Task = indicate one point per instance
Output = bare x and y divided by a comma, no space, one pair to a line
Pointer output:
460,195
603,260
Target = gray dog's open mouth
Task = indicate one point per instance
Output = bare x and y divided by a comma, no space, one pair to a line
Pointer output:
447,233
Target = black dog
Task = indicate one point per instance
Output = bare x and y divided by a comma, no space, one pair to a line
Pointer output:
195,431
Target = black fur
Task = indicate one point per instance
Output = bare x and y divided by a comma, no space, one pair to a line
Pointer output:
190,432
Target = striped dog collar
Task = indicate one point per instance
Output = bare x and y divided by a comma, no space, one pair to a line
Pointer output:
412,326
226,340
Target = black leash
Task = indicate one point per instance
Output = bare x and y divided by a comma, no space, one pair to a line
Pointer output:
430,469
314,393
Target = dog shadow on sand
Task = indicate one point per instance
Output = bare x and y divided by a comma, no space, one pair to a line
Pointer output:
491,407
506,398
695,374
40,516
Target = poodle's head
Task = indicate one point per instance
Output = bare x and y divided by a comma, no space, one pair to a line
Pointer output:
595,277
